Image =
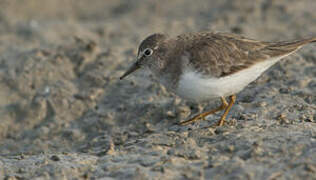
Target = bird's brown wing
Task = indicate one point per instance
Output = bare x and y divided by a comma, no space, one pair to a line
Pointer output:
221,54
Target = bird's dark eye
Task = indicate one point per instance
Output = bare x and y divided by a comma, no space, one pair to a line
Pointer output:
148,52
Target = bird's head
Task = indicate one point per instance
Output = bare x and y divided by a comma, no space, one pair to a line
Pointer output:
148,53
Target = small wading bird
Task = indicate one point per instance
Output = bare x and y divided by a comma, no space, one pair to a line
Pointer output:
204,66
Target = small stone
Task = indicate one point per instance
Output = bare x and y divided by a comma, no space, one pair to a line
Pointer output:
284,90
220,130
282,119
55,158
176,101
307,118
263,104
170,114
231,148
310,167
247,99
183,111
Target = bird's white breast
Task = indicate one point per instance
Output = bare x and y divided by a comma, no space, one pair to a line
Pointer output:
194,86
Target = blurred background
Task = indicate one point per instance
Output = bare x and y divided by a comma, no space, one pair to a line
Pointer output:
59,66
49,21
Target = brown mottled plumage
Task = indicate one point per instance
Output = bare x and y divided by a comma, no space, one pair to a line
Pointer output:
221,54
201,66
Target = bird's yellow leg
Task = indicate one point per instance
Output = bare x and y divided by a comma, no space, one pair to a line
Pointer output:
232,101
203,115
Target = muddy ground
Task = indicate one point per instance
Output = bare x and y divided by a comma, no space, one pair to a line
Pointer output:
65,115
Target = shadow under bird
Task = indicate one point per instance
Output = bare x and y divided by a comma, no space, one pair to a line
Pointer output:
204,66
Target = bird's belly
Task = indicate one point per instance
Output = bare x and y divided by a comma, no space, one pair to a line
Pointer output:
196,87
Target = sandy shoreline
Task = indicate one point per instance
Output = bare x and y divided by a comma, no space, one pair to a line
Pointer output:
65,114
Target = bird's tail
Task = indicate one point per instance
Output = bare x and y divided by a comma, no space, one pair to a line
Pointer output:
287,47
296,44
311,40
305,41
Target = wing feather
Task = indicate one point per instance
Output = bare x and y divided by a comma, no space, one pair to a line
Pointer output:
221,54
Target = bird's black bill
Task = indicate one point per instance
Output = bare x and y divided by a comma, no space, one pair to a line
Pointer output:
133,68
